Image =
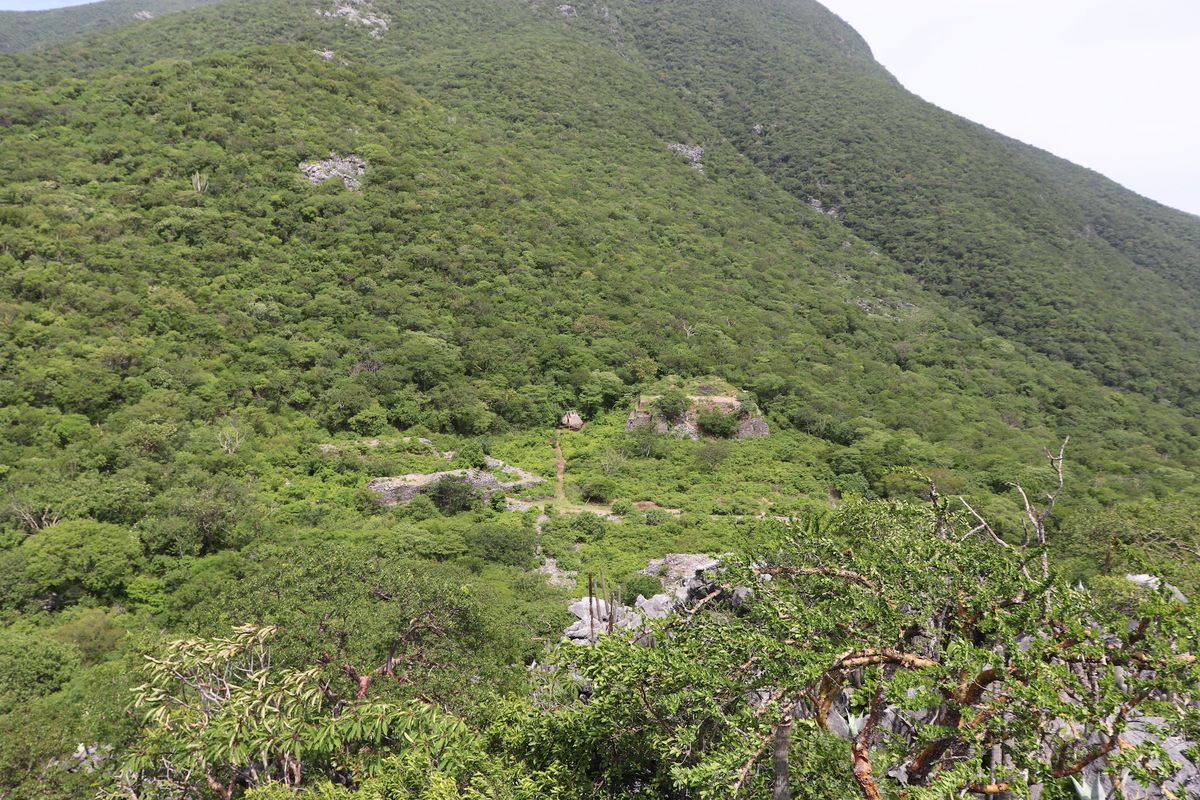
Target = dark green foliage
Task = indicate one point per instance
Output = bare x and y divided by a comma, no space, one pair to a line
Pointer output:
207,360
453,495
471,454
597,490
715,422
588,526
502,545
655,517
22,30
672,404
635,583
1043,252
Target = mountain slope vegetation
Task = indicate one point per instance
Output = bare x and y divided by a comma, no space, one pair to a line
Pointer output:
24,30
1040,251
208,358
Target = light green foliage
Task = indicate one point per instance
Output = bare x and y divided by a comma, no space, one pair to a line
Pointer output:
71,560
207,359
32,666
918,617
218,714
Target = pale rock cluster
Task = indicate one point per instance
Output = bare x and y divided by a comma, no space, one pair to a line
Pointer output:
693,154
683,580
358,12
350,168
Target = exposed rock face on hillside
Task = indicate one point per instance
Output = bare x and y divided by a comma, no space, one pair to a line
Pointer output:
350,168
693,153
359,12
571,421
679,571
403,488
683,579
749,424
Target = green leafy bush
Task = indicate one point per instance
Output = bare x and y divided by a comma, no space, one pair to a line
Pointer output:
715,422
673,404
597,490
502,544
453,495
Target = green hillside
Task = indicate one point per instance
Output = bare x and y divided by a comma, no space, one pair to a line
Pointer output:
25,30
209,360
1038,250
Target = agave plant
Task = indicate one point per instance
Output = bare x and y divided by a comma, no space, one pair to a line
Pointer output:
1088,791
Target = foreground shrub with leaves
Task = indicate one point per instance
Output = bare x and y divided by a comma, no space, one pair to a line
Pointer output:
898,652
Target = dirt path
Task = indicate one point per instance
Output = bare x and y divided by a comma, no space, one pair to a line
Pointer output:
560,469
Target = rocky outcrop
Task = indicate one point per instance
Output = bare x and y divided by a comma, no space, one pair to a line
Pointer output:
349,169
359,12
571,421
750,424
682,576
403,488
1153,582
563,579
693,153
679,572
567,10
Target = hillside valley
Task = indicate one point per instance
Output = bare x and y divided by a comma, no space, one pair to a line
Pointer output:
348,345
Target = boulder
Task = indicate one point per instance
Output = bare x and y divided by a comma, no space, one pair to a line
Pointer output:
403,488
1155,583
349,168
680,572
594,617
659,606
571,421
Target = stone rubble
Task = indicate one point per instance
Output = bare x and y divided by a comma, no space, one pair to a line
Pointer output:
350,168
682,575
693,154
403,488
359,12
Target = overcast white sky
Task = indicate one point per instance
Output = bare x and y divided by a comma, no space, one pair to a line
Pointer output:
1110,84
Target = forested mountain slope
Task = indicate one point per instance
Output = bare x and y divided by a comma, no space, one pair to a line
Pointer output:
24,30
208,360
1039,250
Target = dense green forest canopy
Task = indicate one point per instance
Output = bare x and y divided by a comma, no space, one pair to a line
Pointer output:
24,30
210,365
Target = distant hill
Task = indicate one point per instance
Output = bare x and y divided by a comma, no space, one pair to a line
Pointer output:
25,30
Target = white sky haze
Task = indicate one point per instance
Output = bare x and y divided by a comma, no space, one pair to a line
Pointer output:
1113,85
1110,84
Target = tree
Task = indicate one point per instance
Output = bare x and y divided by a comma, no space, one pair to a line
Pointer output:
715,422
221,717
673,404
65,561
453,495
919,655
